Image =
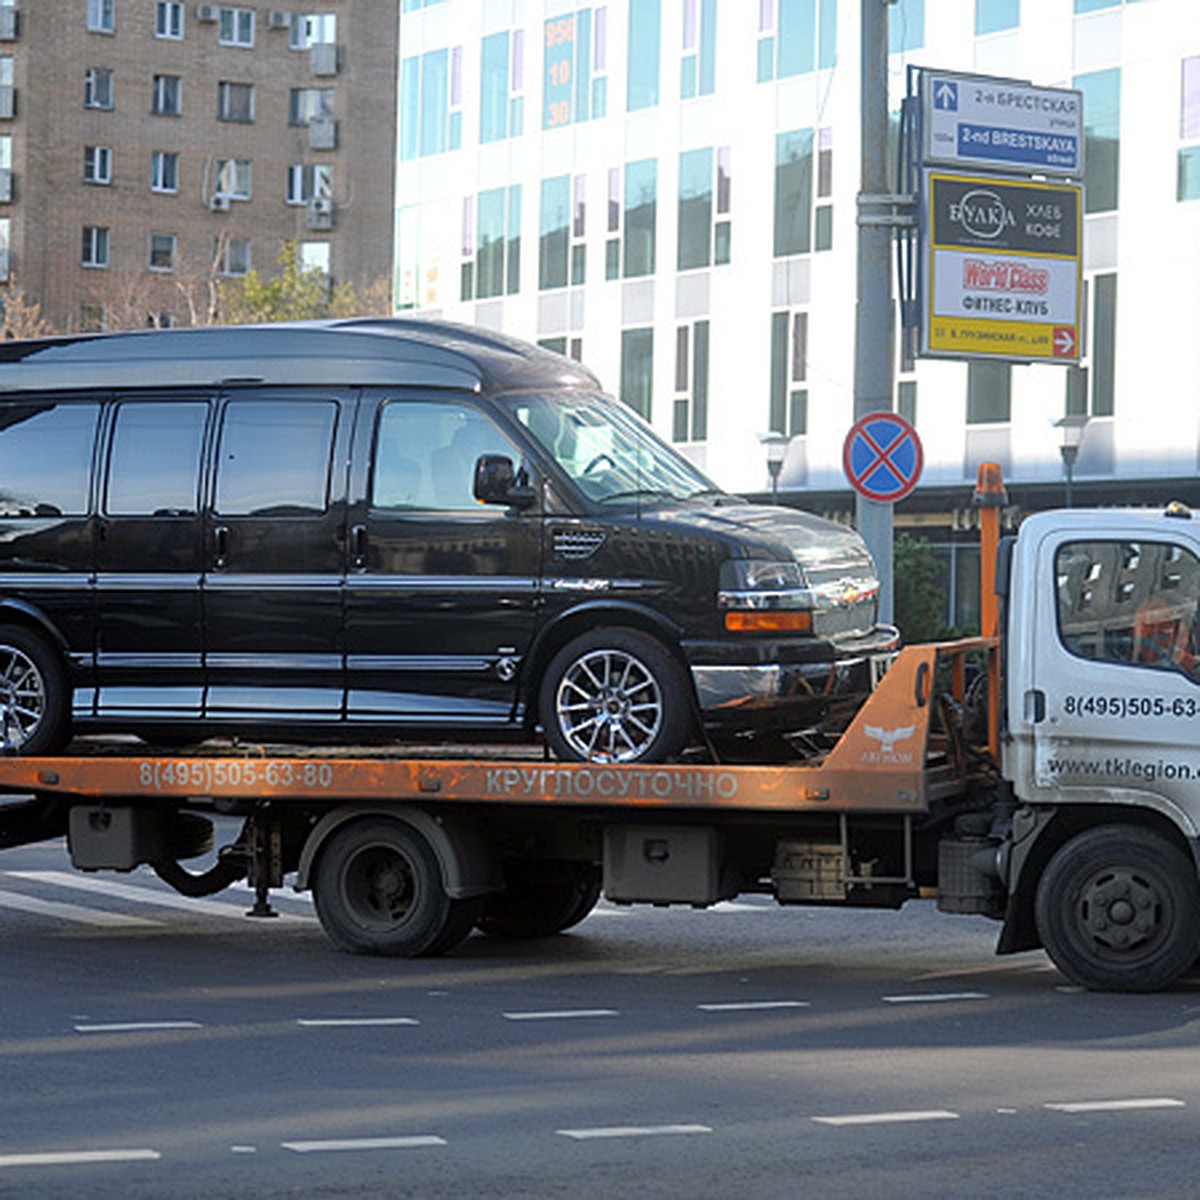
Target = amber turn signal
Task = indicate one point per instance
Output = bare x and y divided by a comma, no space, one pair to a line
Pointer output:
769,621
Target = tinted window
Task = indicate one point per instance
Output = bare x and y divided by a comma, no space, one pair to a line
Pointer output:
425,455
154,463
45,459
274,457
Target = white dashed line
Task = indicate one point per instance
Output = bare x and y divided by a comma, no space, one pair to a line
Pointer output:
353,1022
73,1158
934,997
889,1118
565,1014
631,1131
138,1026
754,1005
1090,1106
352,1144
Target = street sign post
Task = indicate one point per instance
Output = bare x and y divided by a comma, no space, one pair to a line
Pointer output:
1001,125
882,457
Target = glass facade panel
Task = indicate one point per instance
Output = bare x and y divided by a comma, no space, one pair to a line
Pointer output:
555,238
991,16
493,89
793,192
695,209
1102,130
906,26
645,41
989,393
637,369
1104,345
641,212
796,37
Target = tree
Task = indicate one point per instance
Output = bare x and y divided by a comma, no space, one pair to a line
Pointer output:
919,598
21,317
297,293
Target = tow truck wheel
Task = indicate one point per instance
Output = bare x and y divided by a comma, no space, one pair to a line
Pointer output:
542,898
378,889
1118,909
33,694
615,695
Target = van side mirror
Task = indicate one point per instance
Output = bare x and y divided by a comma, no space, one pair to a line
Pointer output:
496,482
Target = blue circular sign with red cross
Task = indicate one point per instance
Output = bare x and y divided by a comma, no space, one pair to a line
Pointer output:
882,456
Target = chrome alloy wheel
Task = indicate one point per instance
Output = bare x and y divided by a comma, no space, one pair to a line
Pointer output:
609,706
22,697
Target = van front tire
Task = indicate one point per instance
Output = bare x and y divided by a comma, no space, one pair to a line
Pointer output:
33,694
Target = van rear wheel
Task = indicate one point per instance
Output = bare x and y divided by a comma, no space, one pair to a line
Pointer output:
33,694
615,695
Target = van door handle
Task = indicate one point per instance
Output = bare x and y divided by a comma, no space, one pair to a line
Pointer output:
358,545
220,545
1035,706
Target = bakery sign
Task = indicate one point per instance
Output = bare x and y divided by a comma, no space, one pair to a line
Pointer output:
1002,269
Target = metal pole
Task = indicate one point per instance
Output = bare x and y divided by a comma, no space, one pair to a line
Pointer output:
874,313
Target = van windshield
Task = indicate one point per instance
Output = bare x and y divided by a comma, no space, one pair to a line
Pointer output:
608,451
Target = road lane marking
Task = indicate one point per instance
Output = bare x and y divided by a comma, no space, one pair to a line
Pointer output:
1089,1106
73,912
631,1131
351,1144
565,1014
889,1118
137,1026
141,895
933,997
71,1158
353,1022
753,1005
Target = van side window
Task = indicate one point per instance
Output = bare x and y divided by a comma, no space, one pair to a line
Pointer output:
274,457
46,459
154,460
425,455
1130,602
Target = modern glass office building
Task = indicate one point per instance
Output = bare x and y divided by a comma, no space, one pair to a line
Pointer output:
668,190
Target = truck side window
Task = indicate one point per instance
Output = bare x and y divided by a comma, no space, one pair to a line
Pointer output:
154,460
46,459
1130,602
425,455
275,457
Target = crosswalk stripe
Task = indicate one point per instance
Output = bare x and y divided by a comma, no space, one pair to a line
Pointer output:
72,912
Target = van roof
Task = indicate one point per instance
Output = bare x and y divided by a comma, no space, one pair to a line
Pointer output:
354,351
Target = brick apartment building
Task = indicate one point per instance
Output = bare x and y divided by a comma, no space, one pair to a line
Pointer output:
149,147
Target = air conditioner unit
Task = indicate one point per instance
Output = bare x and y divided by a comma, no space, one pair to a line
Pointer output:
322,133
219,202
278,19
320,213
206,12
8,24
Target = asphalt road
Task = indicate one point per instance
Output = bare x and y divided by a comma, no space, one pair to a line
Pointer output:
152,1046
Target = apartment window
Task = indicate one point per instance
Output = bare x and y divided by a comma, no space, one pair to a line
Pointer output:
645,36
491,246
235,102
704,237
554,242
101,16
575,55
906,26
162,252
793,192
991,16
98,88
502,83
309,104
233,178
1102,138
795,37
415,5
789,374
314,257
167,97
235,26
637,369
234,256
635,221
1188,187
698,70
313,29
309,182
690,416
95,246
431,103
164,171
823,214
97,164
989,393
168,19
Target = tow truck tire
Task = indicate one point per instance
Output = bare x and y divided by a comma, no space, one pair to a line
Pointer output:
1118,909
33,694
615,695
378,889
542,898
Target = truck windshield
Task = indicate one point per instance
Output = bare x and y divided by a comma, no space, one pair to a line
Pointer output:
608,451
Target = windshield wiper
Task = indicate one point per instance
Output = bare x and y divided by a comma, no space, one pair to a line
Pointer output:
634,493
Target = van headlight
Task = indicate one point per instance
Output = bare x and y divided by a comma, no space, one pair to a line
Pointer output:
760,596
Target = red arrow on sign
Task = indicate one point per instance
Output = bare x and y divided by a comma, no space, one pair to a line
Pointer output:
1064,341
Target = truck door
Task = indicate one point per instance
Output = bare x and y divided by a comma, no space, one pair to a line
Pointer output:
441,591
275,557
1113,701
